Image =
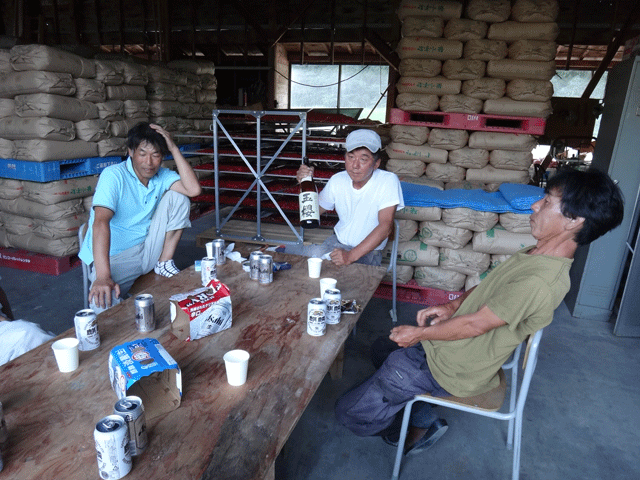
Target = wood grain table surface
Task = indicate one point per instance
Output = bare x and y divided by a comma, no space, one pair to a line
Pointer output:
219,431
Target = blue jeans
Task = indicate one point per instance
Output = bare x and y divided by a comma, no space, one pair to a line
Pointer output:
315,250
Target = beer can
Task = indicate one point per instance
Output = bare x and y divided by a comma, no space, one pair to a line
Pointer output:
218,251
265,269
132,411
316,304
87,329
333,299
208,270
112,446
145,313
316,323
254,259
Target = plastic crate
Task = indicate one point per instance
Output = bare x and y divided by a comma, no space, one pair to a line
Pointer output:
54,169
37,262
411,292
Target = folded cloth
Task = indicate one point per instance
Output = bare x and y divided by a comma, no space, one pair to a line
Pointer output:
521,196
424,196
18,337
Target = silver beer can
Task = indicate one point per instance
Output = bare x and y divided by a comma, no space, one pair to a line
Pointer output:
112,445
333,299
265,269
145,313
218,251
254,260
316,323
87,329
130,408
316,304
208,270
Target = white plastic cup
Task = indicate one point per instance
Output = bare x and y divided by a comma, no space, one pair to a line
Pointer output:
315,266
66,353
236,363
209,247
327,283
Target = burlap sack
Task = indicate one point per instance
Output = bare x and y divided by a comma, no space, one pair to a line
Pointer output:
436,277
161,91
460,104
424,153
161,108
169,123
417,102
511,69
469,157
202,125
159,74
414,168
484,88
62,228
436,8
59,247
7,107
24,83
530,90
112,147
50,193
120,128
473,220
422,180
463,69
445,172
464,185
490,174
18,128
416,253
42,57
111,110
196,110
109,72
135,74
533,50
491,11
507,106
510,160
4,241
90,90
448,138
404,273
208,82
498,241
502,141
87,203
464,260
513,31
206,96
184,124
425,47
93,130
16,224
126,92
422,26
516,222
6,148
497,259
5,61
198,67
535,11
485,50
188,94
440,234
55,106
473,280
407,230
10,188
26,208
420,67
136,109
464,29
409,134
420,214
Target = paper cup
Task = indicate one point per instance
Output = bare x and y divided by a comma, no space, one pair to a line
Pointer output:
236,363
326,283
66,353
315,266
209,247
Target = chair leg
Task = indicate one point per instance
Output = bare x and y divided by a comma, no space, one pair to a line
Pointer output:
516,447
512,403
402,439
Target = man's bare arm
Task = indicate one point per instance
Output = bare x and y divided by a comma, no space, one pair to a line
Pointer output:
101,289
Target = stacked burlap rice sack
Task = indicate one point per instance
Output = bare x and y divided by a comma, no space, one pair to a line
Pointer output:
452,249
44,217
498,60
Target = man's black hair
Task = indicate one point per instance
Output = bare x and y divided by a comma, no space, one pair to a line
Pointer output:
592,195
143,133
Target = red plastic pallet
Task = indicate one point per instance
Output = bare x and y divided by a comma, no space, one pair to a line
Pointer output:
411,292
37,262
469,121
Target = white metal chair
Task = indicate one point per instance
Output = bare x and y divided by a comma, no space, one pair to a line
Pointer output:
82,231
393,265
489,403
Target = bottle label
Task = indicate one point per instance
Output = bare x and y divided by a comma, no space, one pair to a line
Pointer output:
309,206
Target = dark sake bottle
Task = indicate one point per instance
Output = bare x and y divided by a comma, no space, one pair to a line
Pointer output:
308,200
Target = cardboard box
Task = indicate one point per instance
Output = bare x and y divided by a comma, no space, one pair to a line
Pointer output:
145,369
201,312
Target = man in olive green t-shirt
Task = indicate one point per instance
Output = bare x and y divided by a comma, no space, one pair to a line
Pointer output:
458,348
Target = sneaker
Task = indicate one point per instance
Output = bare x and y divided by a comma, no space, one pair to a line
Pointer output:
166,269
435,432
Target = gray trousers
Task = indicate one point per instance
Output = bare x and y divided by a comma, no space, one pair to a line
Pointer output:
315,250
171,214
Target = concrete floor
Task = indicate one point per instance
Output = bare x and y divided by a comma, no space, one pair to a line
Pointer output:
581,418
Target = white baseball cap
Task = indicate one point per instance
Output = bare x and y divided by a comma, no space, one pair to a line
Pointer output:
363,138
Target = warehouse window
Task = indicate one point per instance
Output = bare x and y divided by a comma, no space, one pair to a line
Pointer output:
348,88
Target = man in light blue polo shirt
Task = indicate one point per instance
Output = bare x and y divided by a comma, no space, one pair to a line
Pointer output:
139,212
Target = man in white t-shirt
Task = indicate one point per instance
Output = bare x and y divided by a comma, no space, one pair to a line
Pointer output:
365,199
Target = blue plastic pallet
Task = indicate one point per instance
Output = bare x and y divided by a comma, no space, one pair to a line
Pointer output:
54,169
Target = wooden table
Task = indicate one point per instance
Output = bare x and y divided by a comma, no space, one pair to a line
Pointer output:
219,431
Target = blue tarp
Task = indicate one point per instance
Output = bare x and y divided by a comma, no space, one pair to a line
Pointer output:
510,197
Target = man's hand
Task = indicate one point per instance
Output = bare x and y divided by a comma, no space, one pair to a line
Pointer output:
406,335
100,292
340,257
304,171
167,136
433,315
